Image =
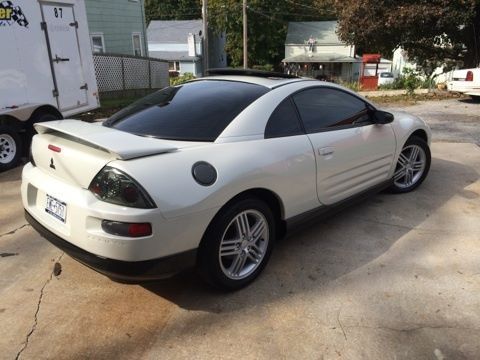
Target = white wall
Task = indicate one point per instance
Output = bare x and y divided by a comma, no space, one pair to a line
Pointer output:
294,50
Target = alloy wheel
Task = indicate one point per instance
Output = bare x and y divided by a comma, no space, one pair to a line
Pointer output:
244,244
410,166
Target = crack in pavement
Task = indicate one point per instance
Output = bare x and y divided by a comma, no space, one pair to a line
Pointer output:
412,329
15,230
35,318
340,323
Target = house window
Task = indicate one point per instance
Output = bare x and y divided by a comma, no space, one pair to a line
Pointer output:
98,43
174,66
137,44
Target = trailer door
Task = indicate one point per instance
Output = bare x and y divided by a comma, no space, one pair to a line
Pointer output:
61,30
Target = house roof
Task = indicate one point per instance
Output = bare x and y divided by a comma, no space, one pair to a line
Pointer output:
324,32
173,31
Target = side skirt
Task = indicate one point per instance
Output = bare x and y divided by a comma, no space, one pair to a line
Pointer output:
301,221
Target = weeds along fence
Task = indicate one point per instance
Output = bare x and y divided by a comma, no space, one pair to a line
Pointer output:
125,75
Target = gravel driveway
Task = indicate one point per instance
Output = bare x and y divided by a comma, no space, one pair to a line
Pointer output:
451,120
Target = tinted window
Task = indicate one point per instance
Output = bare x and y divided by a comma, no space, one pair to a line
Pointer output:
386,75
196,111
322,108
283,121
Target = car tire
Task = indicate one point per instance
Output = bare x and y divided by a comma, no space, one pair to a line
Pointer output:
10,148
412,166
237,244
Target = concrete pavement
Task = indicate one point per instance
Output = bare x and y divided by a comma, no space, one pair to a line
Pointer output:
396,276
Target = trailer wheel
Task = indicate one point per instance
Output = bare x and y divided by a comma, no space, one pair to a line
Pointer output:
38,118
30,130
10,148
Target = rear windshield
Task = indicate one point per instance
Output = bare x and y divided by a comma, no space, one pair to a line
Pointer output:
196,111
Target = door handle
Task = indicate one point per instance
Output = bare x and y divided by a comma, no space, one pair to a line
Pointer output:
59,59
326,151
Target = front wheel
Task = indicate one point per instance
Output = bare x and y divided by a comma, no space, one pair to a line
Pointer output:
10,148
412,166
237,245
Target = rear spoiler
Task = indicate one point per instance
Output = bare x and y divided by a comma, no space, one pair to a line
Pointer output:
122,145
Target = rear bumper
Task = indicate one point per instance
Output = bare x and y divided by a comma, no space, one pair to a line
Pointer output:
118,269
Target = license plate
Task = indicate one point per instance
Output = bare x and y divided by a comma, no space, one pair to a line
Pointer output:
56,208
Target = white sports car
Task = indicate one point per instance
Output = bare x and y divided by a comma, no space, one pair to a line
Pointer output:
210,173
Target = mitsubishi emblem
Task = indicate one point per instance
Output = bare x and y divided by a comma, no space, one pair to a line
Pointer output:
52,165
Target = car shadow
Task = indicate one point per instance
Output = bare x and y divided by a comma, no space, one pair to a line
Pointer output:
323,250
469,101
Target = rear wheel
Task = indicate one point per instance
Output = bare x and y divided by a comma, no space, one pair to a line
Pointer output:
412,166
237,244
10,148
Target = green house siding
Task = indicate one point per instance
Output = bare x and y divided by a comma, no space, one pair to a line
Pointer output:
117,20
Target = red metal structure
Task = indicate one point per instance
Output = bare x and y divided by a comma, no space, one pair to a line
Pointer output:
367,80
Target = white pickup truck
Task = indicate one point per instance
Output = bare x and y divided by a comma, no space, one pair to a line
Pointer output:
466,81
46,69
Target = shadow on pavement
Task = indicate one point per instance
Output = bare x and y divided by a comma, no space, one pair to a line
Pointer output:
313,257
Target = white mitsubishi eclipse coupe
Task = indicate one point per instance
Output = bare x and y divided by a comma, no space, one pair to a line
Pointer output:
210,173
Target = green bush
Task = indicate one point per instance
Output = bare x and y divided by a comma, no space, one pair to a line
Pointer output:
181,79
409,81
266,67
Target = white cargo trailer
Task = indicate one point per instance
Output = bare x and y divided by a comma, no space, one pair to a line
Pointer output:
46,69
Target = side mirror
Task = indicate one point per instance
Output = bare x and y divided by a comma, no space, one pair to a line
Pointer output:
383,117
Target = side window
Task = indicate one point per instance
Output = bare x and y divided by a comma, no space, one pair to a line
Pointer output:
283,121
324,108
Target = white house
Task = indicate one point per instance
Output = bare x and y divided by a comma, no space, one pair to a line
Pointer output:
180,42
314,49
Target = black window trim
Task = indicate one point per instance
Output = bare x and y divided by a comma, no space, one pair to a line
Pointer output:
368,107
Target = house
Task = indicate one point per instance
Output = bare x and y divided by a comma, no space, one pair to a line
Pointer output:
180,42
314,49
117,26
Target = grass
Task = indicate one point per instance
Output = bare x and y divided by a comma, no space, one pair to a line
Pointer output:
408,100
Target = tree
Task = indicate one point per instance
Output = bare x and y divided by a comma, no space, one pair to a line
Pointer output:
432,32
267,23
173,9
267,26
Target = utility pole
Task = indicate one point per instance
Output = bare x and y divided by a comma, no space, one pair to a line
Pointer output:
245,36
205,36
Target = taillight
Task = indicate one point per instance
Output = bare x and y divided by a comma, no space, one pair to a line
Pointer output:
127,229
115,187
469,76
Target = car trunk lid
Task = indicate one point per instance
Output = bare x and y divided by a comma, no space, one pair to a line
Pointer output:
75,151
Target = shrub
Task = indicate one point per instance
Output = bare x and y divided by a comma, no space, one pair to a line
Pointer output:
181,79
266,67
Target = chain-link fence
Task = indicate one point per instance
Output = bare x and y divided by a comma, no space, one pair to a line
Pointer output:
117,73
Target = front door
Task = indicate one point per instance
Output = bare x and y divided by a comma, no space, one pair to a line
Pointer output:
61,28
352,153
